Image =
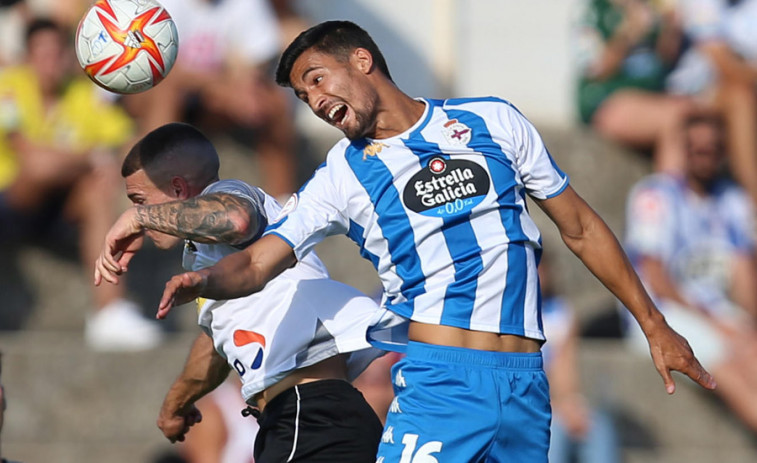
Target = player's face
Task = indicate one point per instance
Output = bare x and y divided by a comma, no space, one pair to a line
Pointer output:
141,190
337,91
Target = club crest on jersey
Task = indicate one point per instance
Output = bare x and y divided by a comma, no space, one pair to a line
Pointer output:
456,132
243,338
446,187
373,149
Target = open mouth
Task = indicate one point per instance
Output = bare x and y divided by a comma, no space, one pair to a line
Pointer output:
337,113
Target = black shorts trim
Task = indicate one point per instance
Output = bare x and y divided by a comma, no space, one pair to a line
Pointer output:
323,421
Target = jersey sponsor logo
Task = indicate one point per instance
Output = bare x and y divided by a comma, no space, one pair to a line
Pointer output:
243,338
456,132
446,187
373,149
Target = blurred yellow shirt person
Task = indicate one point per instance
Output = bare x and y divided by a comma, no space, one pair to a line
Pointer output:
81,120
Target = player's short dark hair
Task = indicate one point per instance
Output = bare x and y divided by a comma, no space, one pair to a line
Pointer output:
175,139
39,25
336,38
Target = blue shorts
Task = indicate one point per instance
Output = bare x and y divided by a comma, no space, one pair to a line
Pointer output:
455,405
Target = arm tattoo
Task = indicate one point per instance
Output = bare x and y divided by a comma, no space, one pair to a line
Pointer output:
205,219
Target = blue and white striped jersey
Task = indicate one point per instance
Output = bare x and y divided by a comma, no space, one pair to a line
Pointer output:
440,211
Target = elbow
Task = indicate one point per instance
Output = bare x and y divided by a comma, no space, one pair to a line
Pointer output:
574,241
243,229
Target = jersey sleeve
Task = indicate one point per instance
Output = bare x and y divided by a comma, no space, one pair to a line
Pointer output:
318,210
541,176
649,219
243,190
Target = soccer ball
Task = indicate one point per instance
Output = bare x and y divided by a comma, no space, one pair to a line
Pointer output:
126,46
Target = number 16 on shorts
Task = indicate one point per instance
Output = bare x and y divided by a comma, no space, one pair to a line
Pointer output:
421,455
410,452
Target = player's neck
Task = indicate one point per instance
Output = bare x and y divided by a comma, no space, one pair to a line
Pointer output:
397,113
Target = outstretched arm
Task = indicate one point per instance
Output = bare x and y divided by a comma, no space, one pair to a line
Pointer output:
212,218
203,371
586,234
236,275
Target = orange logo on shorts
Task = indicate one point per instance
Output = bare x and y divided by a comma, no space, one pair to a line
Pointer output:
244,337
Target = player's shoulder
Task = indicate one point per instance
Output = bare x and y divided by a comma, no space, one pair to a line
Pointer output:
235,187
341,149
479,102
491,108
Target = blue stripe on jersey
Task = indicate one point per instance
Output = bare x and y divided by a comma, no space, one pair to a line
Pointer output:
357,234
286,240
503,178
460,296
395,226
483,99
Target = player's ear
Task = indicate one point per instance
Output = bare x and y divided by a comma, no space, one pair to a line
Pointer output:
179,188
362,60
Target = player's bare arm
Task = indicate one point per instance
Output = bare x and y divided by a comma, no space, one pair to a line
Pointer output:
236,275
203,371
212,218
587,236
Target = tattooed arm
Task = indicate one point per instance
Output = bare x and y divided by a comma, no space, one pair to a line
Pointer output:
212,218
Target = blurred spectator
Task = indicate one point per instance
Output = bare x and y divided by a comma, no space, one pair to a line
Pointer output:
580,432
223,435
721,70
57,137
691,238
13,16
291,23
223,79
625,50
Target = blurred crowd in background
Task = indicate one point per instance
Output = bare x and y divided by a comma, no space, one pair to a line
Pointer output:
673,80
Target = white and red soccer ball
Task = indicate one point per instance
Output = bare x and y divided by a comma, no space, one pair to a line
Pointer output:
127,46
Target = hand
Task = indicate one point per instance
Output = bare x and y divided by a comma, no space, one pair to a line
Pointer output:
123,240
670,351
181,289
175,424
